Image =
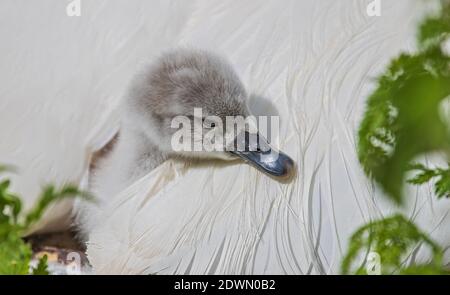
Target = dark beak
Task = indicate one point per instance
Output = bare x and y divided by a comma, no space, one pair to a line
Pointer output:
254,149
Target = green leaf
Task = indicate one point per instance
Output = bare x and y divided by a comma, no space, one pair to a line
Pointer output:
435,29
41,268
442,185
15,254
402,119
49,196
392,239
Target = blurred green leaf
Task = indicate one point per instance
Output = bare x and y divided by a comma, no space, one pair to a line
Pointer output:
392,239
403,121
41,268
402,118
51,195
435,29
15,254
442,185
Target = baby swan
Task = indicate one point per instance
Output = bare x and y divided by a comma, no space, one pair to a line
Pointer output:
176,84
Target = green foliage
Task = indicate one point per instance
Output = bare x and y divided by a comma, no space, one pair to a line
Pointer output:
15,254
441,186
392,239
435,29
402,119
41,268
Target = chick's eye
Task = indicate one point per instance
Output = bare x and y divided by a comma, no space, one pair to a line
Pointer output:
208,124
